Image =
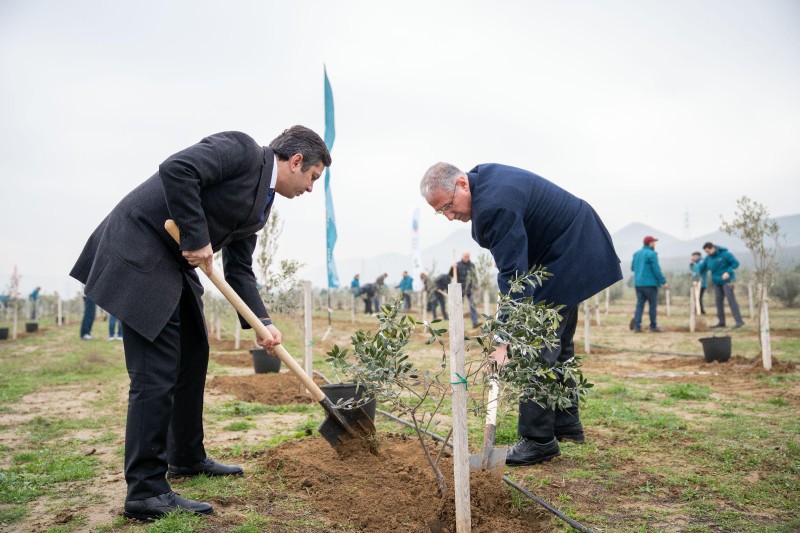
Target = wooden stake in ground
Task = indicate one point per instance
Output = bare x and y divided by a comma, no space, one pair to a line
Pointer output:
766,348
308,299
424,306
750,299
459,382
16,320
608,298
692,309
352,308
597,309
237,335
60,315
666,294
586,326
486,302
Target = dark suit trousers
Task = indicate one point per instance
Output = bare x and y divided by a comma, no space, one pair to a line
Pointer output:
539,422
165,402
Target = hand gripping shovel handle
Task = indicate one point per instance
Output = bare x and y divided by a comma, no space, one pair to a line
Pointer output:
337,422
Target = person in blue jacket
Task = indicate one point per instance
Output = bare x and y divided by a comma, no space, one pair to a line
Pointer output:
406,285
694,266
525,220
355,285
647,278
721,263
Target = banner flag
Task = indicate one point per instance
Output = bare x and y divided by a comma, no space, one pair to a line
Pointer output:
330,218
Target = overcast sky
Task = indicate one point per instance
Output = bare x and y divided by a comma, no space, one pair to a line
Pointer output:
647,110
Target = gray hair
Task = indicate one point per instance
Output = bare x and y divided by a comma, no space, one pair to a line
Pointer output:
441,176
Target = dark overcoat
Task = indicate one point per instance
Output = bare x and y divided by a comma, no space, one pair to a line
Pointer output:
525,220
217,191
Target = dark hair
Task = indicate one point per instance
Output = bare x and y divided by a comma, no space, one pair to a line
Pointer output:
696,253
708,245
303,141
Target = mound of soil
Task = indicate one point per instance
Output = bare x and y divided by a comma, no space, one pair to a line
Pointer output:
237,359
394,490
280,388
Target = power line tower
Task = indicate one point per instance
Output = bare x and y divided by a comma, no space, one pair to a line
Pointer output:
686,232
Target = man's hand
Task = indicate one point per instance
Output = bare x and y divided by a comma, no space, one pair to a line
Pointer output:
204,258
666,286
500,356
270,345
726,276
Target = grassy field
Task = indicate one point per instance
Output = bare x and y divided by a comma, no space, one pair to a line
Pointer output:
673,443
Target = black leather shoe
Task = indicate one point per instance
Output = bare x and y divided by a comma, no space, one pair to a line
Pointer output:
208,467
572,433
163,504
529,452
718,326
737,326
656,329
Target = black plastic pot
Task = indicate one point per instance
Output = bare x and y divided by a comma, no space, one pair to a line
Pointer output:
716,348
345,391
264,363
31,327
3,334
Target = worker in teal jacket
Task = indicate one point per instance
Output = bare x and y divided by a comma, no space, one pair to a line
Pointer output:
407,286
695,265
721,263
647,278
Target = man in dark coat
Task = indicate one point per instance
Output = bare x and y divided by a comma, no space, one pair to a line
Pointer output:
219,192
525,220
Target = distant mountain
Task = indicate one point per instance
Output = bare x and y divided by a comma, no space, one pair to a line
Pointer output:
673,252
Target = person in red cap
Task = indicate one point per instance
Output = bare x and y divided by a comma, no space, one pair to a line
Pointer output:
647,278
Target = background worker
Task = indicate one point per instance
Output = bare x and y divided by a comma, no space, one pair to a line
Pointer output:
647,278
219,192
525,220
722,264
702,280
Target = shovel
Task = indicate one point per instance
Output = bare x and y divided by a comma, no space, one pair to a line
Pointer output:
340,425
491,458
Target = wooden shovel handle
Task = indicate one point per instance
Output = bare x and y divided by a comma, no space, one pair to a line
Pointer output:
261,330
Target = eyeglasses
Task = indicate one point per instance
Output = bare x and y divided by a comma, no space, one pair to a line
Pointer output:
447,207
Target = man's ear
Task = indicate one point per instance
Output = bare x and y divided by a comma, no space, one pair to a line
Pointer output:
462,181
296,162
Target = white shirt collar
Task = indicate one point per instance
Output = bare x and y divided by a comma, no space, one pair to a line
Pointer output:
274,179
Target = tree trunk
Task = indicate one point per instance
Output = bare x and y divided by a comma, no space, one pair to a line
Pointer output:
763,326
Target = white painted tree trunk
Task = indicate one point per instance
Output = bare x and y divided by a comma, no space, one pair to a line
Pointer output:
16,322
237,335
460,438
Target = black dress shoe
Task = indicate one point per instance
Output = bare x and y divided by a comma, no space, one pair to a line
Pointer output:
163,504
718,326
208,466
656,329
737,326
529,452
572,433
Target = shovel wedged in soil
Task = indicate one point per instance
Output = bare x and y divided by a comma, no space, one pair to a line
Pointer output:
340,425
491,458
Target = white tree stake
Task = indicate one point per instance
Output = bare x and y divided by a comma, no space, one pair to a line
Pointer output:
597,309
766,348
237,335
586,326
486,302
459,386
667,296
750,299
60,314
692,310
308,299
352,308
16,322
424,306
608,298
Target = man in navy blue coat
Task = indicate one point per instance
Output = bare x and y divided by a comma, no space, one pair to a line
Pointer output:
525,220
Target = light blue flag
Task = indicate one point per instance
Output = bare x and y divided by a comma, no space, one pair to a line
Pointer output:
330,219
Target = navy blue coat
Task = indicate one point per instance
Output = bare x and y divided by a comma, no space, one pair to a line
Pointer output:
525,220
216,191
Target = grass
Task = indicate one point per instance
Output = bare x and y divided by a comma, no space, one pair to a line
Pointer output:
659,448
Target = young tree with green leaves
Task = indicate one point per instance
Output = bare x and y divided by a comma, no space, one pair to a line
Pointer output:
761,235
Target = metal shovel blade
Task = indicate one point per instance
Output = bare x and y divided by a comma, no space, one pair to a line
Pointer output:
342,425
491,458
